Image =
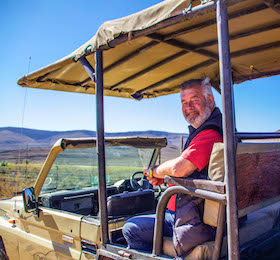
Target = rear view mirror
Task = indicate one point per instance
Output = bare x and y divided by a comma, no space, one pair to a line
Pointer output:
29,200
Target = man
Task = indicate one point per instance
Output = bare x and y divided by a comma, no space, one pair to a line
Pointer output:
183,215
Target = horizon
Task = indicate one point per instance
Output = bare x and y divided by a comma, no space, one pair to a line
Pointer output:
72,130
46,34
17,140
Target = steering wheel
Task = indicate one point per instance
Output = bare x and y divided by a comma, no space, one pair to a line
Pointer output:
142,183
159,191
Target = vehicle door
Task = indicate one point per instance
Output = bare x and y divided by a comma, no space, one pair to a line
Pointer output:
52,234
53,231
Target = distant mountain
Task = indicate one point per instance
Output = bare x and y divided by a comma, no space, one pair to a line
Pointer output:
14,138
17,144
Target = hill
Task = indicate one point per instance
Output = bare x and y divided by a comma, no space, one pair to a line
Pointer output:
34,144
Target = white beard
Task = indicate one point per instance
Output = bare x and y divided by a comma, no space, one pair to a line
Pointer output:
200,119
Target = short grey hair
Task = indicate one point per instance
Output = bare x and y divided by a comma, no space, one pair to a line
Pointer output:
203,82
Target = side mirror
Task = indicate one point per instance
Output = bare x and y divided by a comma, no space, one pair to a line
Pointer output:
29,200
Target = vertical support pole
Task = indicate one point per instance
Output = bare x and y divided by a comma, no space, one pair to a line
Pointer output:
219,233
228,130
182,144
101,146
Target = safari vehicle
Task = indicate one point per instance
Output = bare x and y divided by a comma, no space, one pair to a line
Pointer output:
149,54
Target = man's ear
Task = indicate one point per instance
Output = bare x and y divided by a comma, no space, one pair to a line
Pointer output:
211,101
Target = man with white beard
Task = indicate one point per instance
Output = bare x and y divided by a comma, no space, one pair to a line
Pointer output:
183,217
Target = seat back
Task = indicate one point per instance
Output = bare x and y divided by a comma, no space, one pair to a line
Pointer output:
258,177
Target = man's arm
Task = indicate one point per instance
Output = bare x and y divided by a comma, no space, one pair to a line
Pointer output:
178,167
195,157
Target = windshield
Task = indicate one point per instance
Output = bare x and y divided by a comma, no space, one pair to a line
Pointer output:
77,169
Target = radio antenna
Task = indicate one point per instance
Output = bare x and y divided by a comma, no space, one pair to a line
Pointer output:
23,111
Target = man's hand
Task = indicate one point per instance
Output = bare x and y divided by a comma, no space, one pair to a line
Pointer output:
149,172
154,181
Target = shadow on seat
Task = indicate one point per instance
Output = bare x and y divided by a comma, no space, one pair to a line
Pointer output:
259,223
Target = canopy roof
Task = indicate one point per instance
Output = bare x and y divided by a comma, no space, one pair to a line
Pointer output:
150,53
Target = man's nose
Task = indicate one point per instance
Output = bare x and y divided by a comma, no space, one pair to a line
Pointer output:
188,104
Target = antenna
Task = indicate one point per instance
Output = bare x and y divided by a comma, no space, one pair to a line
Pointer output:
23,112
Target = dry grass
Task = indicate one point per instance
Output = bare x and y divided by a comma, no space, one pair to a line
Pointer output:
16,177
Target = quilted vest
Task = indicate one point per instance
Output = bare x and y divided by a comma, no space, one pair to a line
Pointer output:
189,230
213,122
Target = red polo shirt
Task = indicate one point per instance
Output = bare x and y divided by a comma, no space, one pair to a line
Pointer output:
198,152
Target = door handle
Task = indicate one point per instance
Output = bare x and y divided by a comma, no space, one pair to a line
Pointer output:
68,239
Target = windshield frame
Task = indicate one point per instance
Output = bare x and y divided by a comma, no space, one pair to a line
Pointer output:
84,143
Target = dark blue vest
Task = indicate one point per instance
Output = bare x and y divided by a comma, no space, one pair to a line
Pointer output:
189,229
214,122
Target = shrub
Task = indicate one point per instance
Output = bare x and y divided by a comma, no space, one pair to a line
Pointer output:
4,164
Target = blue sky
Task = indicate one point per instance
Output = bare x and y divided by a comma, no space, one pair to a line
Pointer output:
49,30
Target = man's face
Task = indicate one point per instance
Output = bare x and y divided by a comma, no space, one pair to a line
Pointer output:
196,108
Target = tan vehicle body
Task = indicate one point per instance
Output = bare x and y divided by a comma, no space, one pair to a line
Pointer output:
40,237
52,235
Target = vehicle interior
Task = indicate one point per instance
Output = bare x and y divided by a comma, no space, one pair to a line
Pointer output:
120,198
71,181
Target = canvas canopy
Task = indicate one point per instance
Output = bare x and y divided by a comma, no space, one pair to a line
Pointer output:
150,53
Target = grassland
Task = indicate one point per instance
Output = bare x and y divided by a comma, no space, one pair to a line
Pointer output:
16,177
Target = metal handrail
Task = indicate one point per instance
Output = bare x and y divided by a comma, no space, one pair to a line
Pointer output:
247,135
161,207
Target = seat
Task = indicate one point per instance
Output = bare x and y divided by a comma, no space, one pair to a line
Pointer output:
258,182
258,223
131,203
